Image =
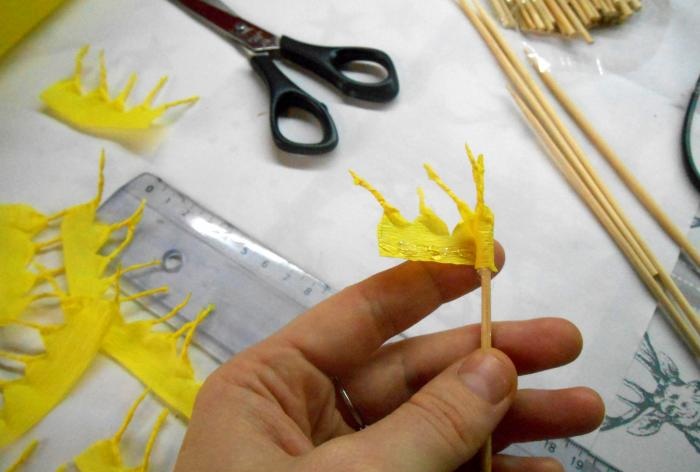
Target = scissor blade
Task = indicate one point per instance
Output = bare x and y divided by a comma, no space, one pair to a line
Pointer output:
219,17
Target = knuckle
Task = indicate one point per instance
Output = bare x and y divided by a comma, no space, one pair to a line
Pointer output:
447,418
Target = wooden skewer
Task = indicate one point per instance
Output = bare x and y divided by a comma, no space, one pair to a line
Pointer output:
590,10
608,8
534,14
616,163
500,12
636,4
526,87
575,21
527,19
563,23
572,150
580,12
544,11
486,451
691,337
565,16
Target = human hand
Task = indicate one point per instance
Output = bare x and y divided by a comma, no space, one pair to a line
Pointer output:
430,402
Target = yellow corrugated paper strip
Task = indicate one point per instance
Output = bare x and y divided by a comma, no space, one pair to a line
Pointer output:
97,109
92,318
428,238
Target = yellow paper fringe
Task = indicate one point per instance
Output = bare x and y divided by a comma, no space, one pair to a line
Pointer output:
428,238
19,224
70,347
92,319
106,455
97,109
153,357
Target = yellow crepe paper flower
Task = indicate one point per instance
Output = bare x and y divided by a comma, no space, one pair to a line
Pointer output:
428,238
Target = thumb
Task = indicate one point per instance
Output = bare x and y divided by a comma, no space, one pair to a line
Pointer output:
446,422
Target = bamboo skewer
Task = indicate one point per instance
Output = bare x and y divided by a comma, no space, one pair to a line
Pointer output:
616,163
486,451
652,273
579,159
565,26
555,128
564,16
691,337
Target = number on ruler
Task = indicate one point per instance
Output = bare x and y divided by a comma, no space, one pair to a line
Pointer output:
577,463
550,446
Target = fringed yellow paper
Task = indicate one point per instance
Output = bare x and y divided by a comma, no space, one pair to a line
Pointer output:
97,109
19,224
83,237
48,377
153,357
69,347
92,319
428,238
106,455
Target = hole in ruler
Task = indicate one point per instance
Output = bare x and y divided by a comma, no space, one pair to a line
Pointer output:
172,260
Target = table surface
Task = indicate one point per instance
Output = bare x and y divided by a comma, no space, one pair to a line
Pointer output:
633,83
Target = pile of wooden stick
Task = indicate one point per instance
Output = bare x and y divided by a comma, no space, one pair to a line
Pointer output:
565,17
567,153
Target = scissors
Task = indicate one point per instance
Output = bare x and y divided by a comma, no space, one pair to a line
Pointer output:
263,48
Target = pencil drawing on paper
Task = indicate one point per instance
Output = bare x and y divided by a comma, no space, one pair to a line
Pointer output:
674,402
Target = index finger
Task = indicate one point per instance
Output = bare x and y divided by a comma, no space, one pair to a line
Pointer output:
343,331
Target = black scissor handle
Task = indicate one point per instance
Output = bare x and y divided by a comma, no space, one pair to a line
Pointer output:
285,95
327,63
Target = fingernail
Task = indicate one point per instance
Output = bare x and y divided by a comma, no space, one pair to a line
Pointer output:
486,376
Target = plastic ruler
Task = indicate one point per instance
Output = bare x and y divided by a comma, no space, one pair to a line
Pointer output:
255,290
573,456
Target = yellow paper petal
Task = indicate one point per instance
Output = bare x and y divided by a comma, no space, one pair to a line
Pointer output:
427,238
96,109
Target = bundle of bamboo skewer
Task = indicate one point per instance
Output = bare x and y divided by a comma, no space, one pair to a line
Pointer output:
565,17
567,153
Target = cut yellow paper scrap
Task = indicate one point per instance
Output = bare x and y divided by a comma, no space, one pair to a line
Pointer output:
97,109
106,455
19,225
428,238
23,457
48,377
153,357
83,237
70,347
20,17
